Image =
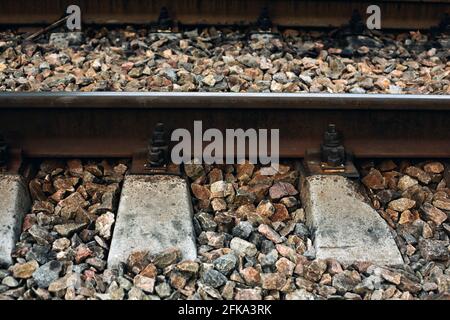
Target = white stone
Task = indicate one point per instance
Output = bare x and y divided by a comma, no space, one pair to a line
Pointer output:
14,203
345,226
155,213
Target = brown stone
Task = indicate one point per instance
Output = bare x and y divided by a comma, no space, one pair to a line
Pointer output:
269,233
251,276
334,267
288,177
285,266
391,276
144,283
393,215
391,179
82,253
245,171
261,179
28,222
406,182
260,191
43,206
244,210
281,213
315,270
93,169
265,209
387,165
434,167
443,204
70,205
36,190
419,174
287,252
281,189
138,260
401,204
75,167
166,257
149,271
200,192
215,175
66,183
248,294
25,270
244,196
273,281
218,204
178,280
374,180
188,266
434,214
58,195
406,217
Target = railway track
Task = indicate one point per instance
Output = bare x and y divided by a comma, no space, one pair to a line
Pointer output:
92,207
120,124
404,14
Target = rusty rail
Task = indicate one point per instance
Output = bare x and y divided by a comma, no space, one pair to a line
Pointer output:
119,124
415,14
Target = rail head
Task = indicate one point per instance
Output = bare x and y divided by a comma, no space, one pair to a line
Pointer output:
205,100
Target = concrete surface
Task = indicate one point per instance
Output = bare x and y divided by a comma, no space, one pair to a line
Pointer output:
14,204
155,213
344,225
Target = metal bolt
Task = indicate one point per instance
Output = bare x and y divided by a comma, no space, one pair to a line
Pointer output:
332,151
3,152
158,147
264,21
164,20
444,24
356,23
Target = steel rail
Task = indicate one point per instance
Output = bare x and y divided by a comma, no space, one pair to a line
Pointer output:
415,14
189,100
119,124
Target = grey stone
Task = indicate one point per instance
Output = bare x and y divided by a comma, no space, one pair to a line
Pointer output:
346,281
345,226
67,229
300,294
38,253
47,273
301,230
14,203
206,221
40,235
62,40
434,249
3,274
165,258
135,294
97,263
155,213
269,259
163,290
226,263
243,230
10,282
244,247
213,278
